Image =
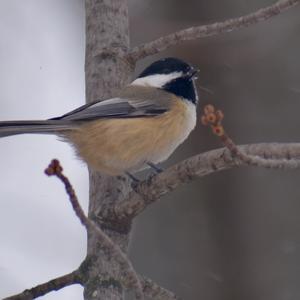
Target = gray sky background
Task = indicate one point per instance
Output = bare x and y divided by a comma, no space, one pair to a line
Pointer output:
232,235
41,76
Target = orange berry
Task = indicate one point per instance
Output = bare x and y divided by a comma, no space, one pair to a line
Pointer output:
218,130
220,115
209,109
204,120
211,118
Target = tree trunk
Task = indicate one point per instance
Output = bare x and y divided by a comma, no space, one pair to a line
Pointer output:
107,38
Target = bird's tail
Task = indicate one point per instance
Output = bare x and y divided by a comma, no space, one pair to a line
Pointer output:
8,128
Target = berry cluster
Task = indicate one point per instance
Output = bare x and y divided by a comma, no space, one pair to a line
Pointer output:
213,118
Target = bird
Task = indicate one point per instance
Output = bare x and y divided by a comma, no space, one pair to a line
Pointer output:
138,128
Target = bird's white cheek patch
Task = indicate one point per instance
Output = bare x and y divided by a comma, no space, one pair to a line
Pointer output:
158,80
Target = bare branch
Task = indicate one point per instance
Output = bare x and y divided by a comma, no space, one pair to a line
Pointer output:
149,191
197,32
47,287
154,291
133,280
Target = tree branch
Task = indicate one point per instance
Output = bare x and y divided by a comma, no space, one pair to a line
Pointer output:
132,278
214,118
286,156
197,32
47,287
154,291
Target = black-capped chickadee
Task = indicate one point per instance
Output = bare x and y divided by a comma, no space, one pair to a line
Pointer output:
140,127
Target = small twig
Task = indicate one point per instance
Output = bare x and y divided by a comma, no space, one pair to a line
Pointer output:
47,287
197,32
214,118
55,169
154,291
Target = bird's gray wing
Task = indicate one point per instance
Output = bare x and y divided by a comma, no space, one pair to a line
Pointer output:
115,108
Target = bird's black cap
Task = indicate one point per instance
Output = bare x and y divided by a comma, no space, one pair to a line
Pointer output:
166,66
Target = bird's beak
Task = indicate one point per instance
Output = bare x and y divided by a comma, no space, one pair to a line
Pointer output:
192,74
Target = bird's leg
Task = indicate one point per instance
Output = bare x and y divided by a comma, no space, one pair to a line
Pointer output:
156,168
132,177
135,181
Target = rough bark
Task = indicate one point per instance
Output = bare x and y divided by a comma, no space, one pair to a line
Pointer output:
107,39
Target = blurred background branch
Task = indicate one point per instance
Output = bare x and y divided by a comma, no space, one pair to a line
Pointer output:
197,32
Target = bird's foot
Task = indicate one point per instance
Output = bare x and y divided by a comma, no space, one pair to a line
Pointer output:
156,168
134,180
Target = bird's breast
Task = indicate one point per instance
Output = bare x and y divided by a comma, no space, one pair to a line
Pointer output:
173,128
114,146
